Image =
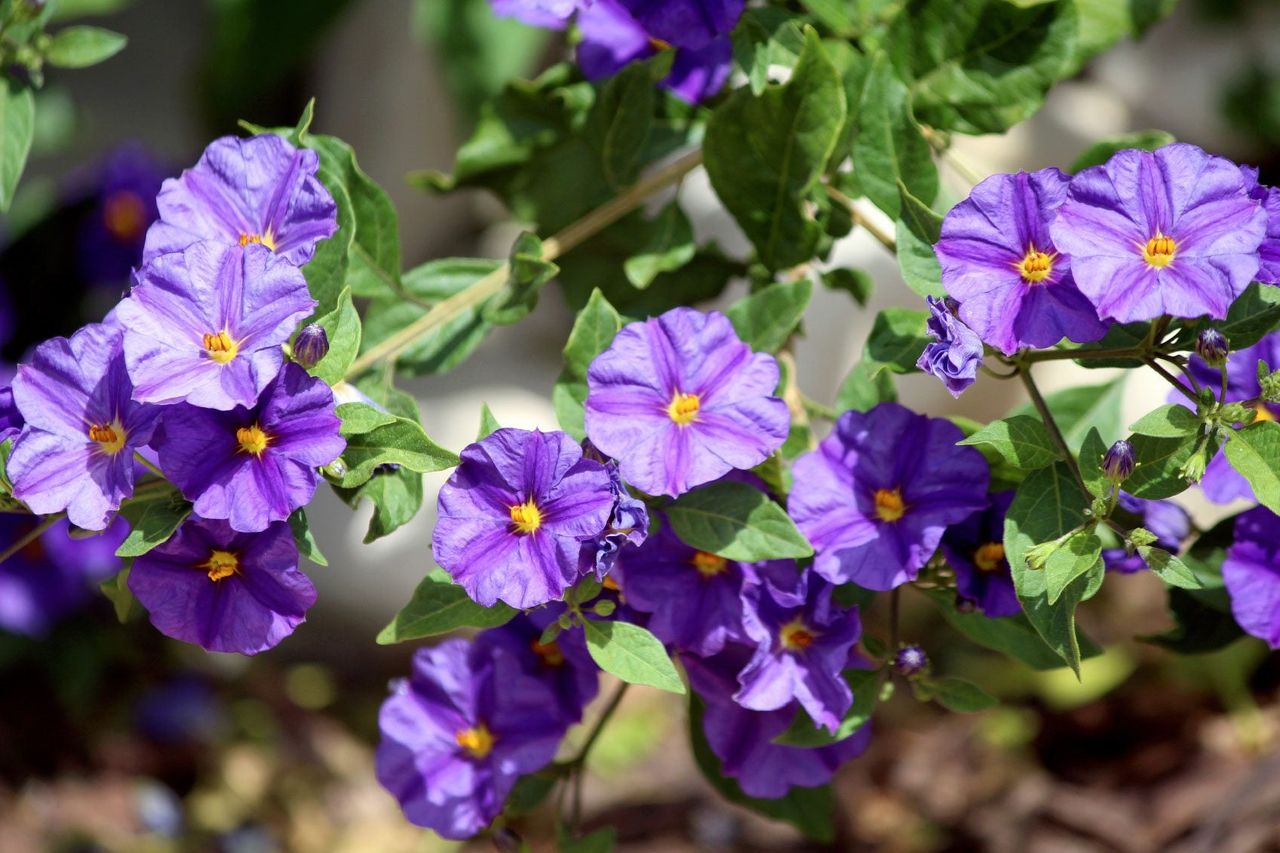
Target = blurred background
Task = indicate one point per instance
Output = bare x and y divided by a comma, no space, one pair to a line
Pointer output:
113,738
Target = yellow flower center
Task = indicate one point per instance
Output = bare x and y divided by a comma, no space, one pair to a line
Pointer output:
1159,251
988,557
477,741
221,564
110,437
220,347
795,636
611,583
267,239
125,215
683,408
1262,413
549,652
709,565
658,44
889,505
1035,266
526,517
252,439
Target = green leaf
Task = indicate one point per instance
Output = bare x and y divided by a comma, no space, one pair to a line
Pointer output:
865,684
307,546
918,228
600,841
1079,554
619,124
857,283
889,149
1255,452
668,246
1020,441
17,124
396,497
402,442
835,15
767,318
737,522
82,46
151,523
956,694
593,331
866,386
1157,466
117,591
1077,410
440,606
632,654
765,154
764,38
1105,22
1255,313
1100,152
527,273
1169,568
361,418
488,423
897,338
1170,421
298,137
1011,635
1092,452
342,325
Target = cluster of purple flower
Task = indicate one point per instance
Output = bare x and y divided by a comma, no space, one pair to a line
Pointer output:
615,33
187,376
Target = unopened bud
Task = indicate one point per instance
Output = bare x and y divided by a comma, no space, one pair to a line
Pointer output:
1213,347
1142,536
1268,383
337,469
1193,469
605,607
1118,463
311,345
910,661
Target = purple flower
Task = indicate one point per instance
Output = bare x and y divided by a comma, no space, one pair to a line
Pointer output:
628,522
877,494
11,421
956,354
259,190
1170,232
514,515
685,23
975,550
222,590
548,14
1251,572
694,598
563,664
123,207
613,39
255,465
910,661
743,739
459,732
801,649
679,400
1168,521
82,428
1269,251
1015,288
205,326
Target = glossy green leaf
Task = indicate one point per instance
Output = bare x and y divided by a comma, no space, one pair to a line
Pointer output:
1020,441
440,606
632,654
1255,452
151,523
342,325
737,522
890,149
1169,421
17,124
302,537
767,318
897,338
82,46
956,694
593,331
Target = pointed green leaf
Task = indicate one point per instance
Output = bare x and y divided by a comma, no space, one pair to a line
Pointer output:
17,124
440,606
1255,452
766,318
738,522
632,654
1020,441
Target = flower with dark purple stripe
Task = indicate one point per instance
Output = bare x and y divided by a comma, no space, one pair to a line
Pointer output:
1251,572
975,550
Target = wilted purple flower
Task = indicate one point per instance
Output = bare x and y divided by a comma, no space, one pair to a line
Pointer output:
910,661
1015,288
693,597
1269,251
1251,572
255,465
259,190
628,521
514,515
679,400
685,23
205,325
877,494
563,664
956,354
801,648
975,550
123,206
1168,521
222,590
1118,462
548,14
82,428
459,732
1165,232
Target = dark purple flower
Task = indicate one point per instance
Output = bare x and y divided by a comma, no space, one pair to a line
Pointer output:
910,661
1168,521
693,598
548,14
311,345
123,207
259,190
1014,287
1213,347
679,400
801,649
563,664
222,590
876,496
255,465
1269,251
1118,462
82,428
205,326
1251,572
514,515
956,354
11,421
1166,232
685,23
975,550
459,732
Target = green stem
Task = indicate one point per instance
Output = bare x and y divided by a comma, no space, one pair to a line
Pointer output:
885,239
1081,354
1051,424
146,463
818,410
1172,380
578,764
30,537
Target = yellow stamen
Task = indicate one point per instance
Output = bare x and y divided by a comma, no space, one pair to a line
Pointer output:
683,408
795,635
709,565
221,564
110,437
1035,266
526,517
889,505
658,44
988,557
549,652
476,741
125,215
611,583
1159,251
267,239
1262,413
220,347
252,439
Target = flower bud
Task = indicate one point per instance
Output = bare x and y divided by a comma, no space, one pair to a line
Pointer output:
1268,383
1212,346
910,661
1193,469
311,345
1118,463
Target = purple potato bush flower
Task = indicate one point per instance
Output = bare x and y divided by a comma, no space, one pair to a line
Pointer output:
1168,521
562,664
11,421
956,353
1014,287
459,732
1251,572
879,492
548,14
679,400
515,514
259,191
1166,232
685,23
205,326
223,590
253,466
1269,251
975,550
76,452
628,522
123,202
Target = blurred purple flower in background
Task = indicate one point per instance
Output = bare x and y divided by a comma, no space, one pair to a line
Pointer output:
563,664
1168,521
1251,572
123,195
975,550
548,14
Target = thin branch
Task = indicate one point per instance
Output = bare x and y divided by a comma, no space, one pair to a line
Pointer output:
1172,380
1051,424
885,239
